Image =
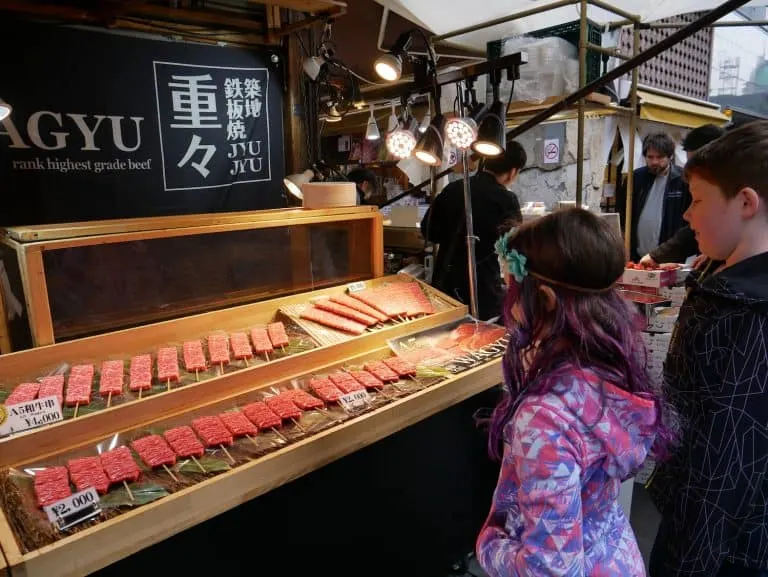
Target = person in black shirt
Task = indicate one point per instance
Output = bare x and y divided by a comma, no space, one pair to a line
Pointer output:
494,208
367,187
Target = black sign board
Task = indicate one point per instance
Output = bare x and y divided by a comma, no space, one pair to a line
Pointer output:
108,125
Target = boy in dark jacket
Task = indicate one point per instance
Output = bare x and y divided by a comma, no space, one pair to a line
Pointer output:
713,493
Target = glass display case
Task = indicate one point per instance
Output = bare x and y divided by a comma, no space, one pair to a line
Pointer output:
72,280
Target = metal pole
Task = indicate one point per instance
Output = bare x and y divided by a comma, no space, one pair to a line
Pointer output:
582,82
631,159
471,263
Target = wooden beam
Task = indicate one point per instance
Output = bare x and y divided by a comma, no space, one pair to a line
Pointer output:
204,17
304,5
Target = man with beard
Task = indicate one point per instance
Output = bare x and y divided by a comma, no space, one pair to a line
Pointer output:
660,197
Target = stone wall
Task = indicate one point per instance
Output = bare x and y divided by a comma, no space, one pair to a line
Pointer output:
550,183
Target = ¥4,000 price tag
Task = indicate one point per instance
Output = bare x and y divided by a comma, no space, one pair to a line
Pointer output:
356,287
355,400
74,509
24,416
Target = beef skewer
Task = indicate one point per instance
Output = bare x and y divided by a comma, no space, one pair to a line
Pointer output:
277,335
79,386
168,365
111,380
212,433
239,425
140,374
218,349
241,348
285,408
119,466
155,451
261,343
185,444
264,417
194,357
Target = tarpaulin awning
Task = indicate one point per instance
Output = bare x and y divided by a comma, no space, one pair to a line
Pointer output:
449,15
678,112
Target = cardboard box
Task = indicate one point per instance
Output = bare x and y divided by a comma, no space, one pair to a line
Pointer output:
676,295
649,278
663,319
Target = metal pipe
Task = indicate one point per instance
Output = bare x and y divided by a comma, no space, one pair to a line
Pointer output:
618,11
628,66
631,160
580,122
714,25
711,16
503,20
471,263
612,52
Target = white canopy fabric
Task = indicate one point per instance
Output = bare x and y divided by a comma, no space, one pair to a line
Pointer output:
443,16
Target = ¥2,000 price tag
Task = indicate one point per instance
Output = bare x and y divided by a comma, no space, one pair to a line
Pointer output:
74,509
24,416
356,287
355,400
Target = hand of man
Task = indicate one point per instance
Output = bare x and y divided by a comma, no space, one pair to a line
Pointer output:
648,261
699,262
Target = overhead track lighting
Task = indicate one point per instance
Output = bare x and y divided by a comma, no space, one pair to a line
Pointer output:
5,109
429,148
389,66
462,130
294,182
372,130
491,134
333,115
425,122
313,66
402,140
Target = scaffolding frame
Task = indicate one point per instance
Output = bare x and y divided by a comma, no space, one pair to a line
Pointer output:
629,65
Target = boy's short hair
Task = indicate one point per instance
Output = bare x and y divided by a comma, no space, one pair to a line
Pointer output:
701,136
737,160
660,142
514,156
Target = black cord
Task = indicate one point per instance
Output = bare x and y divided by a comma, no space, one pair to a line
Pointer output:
509,100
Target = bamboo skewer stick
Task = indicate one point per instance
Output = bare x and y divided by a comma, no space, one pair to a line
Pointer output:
127,488
198,464
279,434
77,406
231,459
170,473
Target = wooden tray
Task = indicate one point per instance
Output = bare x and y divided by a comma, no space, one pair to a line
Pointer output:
18,367
114,539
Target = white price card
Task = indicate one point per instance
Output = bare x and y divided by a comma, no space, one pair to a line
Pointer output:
356,286
74,509
29,415
355,400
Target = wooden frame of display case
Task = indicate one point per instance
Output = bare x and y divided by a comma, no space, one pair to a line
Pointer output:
31,242
114,539
124,344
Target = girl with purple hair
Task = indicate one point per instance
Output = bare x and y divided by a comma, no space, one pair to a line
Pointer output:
579,414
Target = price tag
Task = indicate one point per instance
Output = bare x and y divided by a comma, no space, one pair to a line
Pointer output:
24,416
356,286
74,509
355,401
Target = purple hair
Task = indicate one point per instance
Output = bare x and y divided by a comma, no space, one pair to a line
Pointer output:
588,330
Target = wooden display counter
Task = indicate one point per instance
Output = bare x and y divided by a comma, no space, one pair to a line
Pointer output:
108,541
27,366
73,280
